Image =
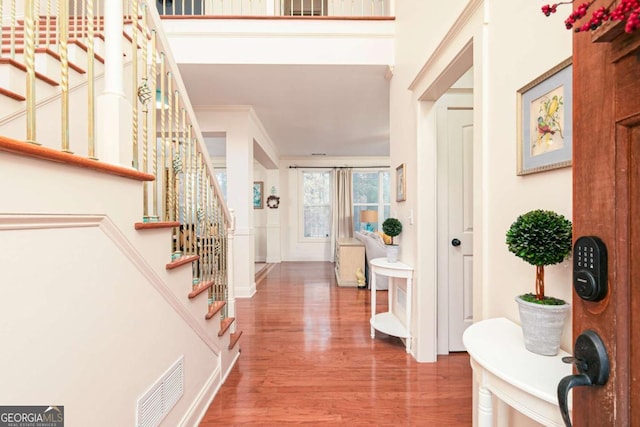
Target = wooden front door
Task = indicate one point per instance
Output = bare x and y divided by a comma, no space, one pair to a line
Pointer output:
606,203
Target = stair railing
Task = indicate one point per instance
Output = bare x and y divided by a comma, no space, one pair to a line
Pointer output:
167,142
343,8
165,139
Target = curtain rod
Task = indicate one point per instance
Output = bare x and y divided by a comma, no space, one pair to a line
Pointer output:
339,167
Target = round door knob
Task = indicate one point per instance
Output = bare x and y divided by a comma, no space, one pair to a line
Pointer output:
456,242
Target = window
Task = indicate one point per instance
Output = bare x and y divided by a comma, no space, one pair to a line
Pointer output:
371,192
316,211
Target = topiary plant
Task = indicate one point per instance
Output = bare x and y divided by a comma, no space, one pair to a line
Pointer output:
392,227
540,238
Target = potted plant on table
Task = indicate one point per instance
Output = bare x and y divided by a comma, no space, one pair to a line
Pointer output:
541,238
392,227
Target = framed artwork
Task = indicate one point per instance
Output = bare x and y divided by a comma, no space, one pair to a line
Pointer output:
545,116
258,195
401,183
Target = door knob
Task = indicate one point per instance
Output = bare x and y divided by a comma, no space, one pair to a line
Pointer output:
591,361
455,242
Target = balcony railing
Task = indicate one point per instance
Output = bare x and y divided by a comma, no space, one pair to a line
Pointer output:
306,8
101,47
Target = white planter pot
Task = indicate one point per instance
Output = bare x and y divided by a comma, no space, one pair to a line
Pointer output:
542,326
392,253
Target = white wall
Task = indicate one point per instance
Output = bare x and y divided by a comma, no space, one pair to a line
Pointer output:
332,42
86,299
507,38
513,47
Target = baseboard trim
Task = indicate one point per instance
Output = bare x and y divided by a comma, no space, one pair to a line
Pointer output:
200,405
233,363
198,408
251,292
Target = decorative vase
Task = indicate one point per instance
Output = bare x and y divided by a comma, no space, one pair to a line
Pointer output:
542,326
392,253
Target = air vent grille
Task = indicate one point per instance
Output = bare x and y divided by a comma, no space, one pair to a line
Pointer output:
156,403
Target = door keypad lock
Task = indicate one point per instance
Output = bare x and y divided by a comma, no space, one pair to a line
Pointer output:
590,268
591,361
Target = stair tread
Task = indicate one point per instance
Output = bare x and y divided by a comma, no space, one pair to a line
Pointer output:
201,288
22,67
26,149
225,324
84,47
49,52
11,94
214,308
234,338
156,224
183,260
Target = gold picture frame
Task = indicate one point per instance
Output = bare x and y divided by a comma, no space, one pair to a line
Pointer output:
544,121
401,183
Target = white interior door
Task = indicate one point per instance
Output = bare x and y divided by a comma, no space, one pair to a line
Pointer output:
460,223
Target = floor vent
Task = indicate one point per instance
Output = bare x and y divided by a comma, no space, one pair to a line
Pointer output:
156,403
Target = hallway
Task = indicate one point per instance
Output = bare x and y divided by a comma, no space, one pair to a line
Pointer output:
307,358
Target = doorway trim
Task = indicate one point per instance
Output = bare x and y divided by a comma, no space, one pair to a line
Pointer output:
463,47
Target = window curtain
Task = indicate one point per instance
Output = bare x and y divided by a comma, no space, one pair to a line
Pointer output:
343,207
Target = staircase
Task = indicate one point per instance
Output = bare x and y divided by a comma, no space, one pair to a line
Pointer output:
141,257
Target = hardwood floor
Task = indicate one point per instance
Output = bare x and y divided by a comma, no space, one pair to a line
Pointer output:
308,358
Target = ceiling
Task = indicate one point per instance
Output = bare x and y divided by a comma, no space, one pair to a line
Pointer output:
332,110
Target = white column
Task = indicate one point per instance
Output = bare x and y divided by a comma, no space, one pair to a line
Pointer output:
270,8
239,196
392,8
233,122
273,218
113,118
113,64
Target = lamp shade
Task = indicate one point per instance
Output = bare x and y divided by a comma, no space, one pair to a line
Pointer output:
369,216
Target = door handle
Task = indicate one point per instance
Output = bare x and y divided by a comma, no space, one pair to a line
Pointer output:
591,361
456,242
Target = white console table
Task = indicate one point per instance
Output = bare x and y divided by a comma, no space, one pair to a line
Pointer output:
388,322
503,367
